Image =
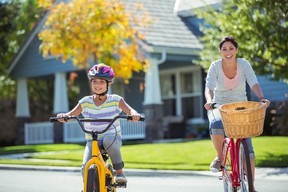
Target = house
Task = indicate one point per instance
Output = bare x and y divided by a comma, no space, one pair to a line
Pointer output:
173,85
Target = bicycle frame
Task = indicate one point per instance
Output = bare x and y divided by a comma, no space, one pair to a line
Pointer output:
233,169
233,148
97,159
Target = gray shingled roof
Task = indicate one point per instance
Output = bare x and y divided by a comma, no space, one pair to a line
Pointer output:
167,29
185,8
193,4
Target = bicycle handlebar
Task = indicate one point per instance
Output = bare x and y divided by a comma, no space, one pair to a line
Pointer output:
80,120
216,105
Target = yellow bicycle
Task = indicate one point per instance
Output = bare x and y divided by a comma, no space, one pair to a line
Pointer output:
98,175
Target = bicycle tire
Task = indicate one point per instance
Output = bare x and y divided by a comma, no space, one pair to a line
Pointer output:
227,167
245,173
93,179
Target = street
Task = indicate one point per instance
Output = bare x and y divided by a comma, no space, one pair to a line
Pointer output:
138,181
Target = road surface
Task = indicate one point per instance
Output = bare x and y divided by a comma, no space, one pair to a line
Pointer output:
138,181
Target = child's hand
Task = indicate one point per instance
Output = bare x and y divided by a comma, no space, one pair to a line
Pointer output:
135,115
62,115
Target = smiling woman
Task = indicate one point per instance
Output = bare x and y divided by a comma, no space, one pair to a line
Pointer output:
226,83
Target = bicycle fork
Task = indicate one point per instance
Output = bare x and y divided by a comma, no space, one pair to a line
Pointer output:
102,170
232,175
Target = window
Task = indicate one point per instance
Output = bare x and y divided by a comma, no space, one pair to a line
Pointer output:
167,83
168,92
181,92
190,82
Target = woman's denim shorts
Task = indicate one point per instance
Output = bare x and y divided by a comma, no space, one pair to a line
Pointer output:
216,128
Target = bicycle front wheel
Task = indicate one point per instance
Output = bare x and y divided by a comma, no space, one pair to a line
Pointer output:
93,179
227,166
110,187
245,173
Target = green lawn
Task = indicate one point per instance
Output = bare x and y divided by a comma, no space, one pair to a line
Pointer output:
190,155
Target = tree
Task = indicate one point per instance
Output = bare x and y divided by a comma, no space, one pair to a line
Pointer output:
260,27
8,11
17,20
93,31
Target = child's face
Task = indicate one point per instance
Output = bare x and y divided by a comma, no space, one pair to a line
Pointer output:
98,86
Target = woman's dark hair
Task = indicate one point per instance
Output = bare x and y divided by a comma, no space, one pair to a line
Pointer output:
230,39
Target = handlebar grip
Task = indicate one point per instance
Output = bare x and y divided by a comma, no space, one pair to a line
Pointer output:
142,119
130,118
53,119
213,105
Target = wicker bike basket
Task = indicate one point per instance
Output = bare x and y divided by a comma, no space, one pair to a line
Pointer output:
243,119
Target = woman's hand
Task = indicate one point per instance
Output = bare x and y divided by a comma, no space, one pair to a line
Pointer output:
207,106
266,101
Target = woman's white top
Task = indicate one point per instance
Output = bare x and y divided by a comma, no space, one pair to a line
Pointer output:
234,91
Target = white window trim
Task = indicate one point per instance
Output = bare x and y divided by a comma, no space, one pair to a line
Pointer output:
178,96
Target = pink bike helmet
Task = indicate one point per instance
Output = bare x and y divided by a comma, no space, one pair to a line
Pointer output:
101,71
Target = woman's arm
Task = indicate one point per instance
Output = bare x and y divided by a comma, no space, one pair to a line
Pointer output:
209,98
258,92
210,85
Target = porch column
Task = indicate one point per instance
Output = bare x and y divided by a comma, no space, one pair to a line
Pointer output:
60,94
22,103
152,94
60,104
22,110
153,108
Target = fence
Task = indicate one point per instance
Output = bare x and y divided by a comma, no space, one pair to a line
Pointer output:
38,133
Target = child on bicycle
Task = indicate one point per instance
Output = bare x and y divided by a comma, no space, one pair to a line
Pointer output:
103,105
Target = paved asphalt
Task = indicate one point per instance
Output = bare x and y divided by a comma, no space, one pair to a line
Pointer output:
261,173
62,179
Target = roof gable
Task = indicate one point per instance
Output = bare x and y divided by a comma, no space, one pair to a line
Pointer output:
32,64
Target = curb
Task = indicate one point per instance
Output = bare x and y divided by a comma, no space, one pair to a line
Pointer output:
261,173
38,168
129,172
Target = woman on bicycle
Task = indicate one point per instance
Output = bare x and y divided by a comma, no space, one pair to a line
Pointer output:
226,83
106,106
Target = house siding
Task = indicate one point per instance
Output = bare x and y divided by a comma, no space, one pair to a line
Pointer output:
32,64
272,90
134,96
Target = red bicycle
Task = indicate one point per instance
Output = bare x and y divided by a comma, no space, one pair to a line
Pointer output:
241,120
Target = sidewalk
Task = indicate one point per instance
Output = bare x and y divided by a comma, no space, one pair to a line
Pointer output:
261,173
